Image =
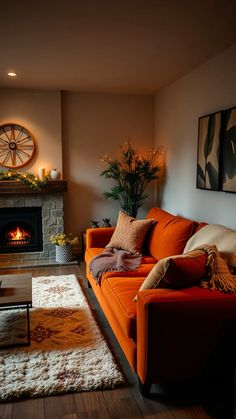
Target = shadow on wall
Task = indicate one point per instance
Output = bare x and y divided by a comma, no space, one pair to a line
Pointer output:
159,188
82,203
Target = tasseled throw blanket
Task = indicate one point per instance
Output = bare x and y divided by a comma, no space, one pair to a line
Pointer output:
218,274
113,260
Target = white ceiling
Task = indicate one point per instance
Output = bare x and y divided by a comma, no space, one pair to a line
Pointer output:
132,46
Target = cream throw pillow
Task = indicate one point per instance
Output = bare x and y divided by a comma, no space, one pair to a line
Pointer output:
130,233
223,237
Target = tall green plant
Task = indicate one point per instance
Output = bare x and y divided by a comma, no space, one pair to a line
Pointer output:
131,175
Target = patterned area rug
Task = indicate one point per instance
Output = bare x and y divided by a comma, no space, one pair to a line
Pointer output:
67,351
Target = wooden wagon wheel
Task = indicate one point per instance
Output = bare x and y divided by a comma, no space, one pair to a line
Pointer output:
17,146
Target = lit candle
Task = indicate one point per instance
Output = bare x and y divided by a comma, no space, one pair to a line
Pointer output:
41,174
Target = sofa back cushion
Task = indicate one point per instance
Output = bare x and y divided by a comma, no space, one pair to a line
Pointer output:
169,235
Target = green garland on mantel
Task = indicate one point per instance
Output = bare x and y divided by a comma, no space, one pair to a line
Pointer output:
25,177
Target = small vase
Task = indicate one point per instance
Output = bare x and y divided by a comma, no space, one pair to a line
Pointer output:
55,174
63,253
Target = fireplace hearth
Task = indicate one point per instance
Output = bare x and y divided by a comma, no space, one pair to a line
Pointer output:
14,195
20,229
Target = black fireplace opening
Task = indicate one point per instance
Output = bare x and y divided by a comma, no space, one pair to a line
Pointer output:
21,229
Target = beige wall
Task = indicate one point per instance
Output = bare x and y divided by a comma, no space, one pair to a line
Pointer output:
94,124
91,125
209,88
40,112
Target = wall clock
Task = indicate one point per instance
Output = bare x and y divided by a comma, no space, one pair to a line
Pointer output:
17,146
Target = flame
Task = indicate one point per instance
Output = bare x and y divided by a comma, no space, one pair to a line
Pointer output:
18,234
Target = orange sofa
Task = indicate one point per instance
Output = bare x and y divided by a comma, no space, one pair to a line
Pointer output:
167,335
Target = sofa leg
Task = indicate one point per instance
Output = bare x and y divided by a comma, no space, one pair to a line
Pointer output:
144,388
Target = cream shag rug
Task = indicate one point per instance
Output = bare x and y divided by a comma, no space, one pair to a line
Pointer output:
67,351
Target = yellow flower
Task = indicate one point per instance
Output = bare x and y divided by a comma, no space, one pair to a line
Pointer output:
60,239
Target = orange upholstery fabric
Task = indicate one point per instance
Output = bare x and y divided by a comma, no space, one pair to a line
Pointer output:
148,259
167,335
190,322
157,214
91,252
127,344
170,234
119,293
142,271
98,237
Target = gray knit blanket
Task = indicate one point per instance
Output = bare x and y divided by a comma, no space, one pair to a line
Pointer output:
115,260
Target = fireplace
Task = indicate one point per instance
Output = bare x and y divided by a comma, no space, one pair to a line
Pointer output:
49,203
21,229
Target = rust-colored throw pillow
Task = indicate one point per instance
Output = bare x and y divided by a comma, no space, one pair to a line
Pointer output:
130,233
176,272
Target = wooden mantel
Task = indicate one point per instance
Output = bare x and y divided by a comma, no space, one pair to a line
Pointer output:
15,187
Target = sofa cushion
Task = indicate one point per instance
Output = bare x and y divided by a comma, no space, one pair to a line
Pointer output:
177,272
119,294
223,237
141,271
170,234
98,237
94,251
157,214
129,233
148,259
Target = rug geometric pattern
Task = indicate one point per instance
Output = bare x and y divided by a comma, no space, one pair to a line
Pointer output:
68,351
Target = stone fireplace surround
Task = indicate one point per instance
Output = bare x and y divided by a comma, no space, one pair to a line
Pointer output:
51,200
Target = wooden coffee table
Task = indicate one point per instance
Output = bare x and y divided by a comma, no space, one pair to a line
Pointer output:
16,293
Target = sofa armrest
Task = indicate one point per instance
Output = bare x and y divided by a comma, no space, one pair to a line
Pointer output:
98,237
179,331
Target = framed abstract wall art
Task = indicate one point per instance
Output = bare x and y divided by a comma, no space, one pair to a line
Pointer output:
208,155
229,151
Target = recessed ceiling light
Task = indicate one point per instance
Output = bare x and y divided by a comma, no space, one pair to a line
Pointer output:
12,74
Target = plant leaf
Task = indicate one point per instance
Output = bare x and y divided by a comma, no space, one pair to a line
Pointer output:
230,152
200,177
210,136
212,175
227,115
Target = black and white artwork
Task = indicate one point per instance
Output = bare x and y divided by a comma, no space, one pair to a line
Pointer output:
229,151
208,158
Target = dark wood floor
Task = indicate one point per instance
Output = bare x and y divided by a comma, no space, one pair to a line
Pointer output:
189,401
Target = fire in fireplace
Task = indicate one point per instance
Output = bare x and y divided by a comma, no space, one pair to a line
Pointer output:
17,237
20,229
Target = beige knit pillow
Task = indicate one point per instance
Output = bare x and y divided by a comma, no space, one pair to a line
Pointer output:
130,233
223,237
